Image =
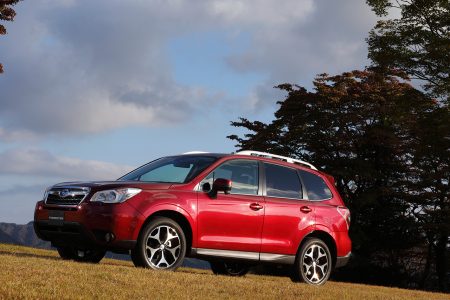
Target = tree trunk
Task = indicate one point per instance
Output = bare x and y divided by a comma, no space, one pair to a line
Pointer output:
441,261
426,270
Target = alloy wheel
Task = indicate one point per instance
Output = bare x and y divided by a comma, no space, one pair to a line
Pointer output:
163,247
315,264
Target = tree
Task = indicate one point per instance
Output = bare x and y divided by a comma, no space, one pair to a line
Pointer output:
417,43
363,128
431,193
7,13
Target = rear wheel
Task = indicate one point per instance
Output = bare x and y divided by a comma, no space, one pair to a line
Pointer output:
313,263
161,245
81,255
229,268
89,255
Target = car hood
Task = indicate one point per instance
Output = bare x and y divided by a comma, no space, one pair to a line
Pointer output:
106,185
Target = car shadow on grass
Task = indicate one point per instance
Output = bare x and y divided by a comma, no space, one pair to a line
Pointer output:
24,254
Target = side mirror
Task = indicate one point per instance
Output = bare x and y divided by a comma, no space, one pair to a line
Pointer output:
220,185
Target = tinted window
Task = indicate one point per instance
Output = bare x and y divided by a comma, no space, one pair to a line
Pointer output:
315,187
282,182
174,169
242,173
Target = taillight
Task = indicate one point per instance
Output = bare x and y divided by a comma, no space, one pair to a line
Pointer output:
345,213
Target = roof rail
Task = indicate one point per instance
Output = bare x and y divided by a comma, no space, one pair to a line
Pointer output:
194,152
269,155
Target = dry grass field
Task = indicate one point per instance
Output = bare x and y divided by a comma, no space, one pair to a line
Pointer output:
28,273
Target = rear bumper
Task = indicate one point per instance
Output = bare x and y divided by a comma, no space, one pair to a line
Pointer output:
342,260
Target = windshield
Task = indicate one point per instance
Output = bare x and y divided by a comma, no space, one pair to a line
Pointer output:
173,169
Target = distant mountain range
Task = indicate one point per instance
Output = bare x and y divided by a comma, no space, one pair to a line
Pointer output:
11,233
24,235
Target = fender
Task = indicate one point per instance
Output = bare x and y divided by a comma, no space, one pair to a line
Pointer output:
152,209
301,237
320,227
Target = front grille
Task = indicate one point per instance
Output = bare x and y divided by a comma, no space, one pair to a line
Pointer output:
71,196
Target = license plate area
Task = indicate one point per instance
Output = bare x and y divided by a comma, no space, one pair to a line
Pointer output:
56,217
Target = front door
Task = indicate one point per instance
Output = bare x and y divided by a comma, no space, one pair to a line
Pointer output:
232,222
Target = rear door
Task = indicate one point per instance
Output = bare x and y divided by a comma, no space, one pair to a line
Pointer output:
330,215
233,221
288,215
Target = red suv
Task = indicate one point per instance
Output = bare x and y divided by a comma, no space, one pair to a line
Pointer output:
233,210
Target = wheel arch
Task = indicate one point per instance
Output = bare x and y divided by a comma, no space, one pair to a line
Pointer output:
327,238
178,217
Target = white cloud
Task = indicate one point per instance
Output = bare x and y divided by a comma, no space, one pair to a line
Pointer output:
75,67
32,170
16,135
329,39
83,67
41,163
261,13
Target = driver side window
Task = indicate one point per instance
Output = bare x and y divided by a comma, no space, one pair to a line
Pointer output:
242,173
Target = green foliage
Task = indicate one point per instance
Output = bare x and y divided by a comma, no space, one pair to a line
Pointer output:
417,43
381,139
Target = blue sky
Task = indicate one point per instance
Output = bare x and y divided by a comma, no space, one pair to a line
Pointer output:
93,89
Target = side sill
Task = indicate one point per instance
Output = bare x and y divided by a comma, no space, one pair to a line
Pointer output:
227,254
277,258
243,255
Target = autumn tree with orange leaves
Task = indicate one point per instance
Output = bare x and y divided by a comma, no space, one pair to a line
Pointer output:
7,13
388,146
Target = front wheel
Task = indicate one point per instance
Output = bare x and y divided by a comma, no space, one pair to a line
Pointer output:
313,263
229,268
161,245
65,252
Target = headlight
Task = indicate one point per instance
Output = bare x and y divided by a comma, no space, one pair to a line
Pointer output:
115,196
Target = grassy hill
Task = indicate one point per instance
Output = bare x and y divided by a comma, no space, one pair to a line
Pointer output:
29,273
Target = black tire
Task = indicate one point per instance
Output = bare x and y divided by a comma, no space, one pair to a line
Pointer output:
313,264
134,258
65,252
89,255
161,245
81,255
229,268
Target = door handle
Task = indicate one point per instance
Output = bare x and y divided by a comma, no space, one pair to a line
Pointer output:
305,209
256,206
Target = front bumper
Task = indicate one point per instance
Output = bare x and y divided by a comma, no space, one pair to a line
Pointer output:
75,234
110,226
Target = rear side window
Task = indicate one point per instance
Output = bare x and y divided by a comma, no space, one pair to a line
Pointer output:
315,186
282,182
